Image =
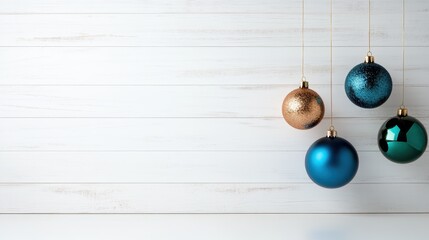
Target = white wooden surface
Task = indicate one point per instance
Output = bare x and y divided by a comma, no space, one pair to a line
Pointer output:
258,101
213,198
141,66
215,227
169,111
177,134
189,167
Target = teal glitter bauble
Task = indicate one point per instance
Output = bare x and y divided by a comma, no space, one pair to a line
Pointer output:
368,85
402,139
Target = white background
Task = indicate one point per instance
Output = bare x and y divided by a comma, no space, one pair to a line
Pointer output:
125,119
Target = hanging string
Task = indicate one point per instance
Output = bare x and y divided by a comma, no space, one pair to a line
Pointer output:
332,115
302,41
369,28
403,53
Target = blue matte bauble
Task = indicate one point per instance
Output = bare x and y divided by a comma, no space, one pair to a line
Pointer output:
331,162
368,85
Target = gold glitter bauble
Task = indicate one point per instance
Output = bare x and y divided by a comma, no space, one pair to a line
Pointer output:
303,108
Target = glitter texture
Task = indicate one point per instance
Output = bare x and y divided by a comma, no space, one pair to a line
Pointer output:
303,108
368,85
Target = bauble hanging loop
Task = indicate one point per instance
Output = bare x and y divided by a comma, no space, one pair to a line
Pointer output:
402,139
368,85
303,108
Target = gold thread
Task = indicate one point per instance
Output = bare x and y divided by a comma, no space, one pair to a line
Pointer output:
403,52
332,115
302,41
369,28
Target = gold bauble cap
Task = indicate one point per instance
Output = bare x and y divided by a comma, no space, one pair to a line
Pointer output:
402,111
369,59
304,84
331,133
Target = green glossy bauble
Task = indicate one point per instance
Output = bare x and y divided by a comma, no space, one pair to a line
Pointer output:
402,139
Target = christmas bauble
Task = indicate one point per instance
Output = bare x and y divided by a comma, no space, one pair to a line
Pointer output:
331,162
402,139
303,108
368,85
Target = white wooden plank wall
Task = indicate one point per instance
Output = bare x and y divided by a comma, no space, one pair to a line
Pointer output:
124,119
